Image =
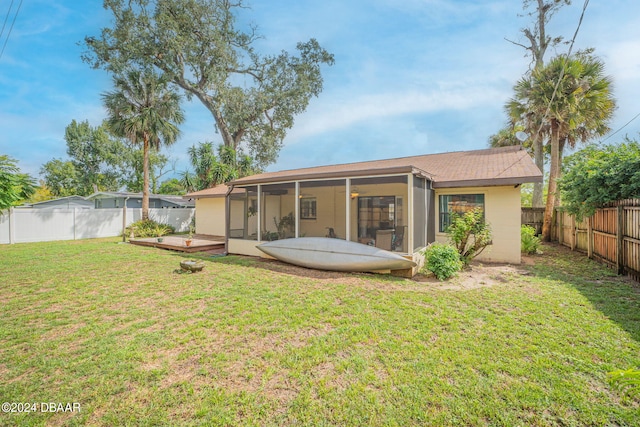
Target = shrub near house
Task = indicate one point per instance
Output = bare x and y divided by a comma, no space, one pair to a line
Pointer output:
148,228
530,242
470,234
442,260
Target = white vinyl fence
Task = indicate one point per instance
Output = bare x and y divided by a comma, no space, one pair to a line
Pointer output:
42,225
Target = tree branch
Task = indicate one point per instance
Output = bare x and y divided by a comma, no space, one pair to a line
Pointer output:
518,44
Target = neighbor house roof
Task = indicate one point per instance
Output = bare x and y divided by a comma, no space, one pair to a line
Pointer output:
57,203
178,200
489,167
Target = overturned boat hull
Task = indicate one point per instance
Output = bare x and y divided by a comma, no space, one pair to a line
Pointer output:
334,254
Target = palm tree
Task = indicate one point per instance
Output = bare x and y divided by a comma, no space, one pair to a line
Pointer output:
572,98
506,137
204,162
146,111
211,169
521,119
531,124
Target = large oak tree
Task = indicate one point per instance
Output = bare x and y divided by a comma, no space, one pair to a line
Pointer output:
252,97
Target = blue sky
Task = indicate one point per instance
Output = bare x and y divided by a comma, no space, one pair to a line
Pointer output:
411,77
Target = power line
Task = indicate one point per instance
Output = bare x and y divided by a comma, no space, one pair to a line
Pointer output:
11,27
6,18
620,128
564,65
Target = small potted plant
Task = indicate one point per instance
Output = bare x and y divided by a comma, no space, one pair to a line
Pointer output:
189,239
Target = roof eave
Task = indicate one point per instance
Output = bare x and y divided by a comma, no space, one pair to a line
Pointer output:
487,182
209,196
396,170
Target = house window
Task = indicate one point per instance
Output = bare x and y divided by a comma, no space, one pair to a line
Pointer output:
308,208
376,213
458,204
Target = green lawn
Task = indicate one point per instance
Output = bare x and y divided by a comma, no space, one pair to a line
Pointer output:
245,342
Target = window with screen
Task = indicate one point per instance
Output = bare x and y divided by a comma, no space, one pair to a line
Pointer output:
458,204
308,208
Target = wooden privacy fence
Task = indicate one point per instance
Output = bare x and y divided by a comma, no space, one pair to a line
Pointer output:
611,235
533,217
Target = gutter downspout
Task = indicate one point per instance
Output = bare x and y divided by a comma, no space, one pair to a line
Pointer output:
347,210
227,220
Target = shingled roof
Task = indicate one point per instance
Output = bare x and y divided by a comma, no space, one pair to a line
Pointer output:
219,190
489,167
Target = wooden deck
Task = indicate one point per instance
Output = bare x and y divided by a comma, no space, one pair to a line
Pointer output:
200,243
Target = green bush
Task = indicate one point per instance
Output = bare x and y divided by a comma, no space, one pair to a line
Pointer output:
529,242
469,233
598,174
442,260
149,228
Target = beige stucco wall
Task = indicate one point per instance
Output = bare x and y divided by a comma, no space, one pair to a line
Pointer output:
502,212
245,247
330,210
210,216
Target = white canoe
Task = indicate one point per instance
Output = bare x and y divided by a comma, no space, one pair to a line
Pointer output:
324,253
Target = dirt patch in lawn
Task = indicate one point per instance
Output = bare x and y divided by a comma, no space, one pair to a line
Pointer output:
477,275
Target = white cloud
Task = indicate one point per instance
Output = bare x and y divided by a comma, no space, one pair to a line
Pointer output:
342,112
623,61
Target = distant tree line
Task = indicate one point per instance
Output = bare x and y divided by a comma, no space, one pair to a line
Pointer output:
100,161
15,186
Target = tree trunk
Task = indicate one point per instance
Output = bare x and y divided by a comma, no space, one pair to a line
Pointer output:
145,178
561,144
539,50
554,173
538,187
211,105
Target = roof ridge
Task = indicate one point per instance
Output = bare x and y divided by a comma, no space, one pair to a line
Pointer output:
498,163
506,148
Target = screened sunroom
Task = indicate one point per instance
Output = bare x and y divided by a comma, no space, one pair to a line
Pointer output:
388,211
400,204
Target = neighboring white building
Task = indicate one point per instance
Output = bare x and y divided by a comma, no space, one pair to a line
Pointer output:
68,202
117,199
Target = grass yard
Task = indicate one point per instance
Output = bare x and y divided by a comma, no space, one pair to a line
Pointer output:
246,342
